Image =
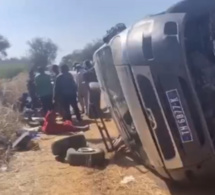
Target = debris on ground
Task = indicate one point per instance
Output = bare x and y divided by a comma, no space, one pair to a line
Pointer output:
4,168
127,179
119,145
30,114
22,141
5,155
25,141
34,132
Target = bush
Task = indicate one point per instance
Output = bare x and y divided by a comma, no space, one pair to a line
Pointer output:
8,72
10,91
9,122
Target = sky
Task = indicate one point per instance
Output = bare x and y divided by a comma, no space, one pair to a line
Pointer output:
69,23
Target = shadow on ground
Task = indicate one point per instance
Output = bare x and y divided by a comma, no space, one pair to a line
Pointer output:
96,141
129,160
191,189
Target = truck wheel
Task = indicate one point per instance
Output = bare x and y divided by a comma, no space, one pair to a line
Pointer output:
60,147
86,157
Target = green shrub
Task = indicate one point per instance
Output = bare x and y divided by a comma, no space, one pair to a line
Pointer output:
8,72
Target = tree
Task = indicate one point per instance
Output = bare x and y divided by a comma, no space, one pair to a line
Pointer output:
81,55
4,45
42,51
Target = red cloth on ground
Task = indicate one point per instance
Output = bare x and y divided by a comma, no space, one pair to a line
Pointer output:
51,127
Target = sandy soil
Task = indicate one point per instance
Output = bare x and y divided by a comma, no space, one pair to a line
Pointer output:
38,173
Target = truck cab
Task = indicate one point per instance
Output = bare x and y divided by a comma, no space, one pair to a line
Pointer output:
158,78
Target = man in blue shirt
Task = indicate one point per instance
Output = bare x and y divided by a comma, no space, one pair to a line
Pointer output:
65,93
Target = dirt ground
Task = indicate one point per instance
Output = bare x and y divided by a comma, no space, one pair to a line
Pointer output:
38,173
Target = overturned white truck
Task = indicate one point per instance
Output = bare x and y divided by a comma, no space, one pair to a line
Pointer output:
159,81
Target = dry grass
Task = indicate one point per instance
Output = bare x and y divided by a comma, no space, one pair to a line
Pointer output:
37,172
10,91
9,121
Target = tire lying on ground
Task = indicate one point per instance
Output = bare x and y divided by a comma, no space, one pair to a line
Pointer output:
85,157
60,147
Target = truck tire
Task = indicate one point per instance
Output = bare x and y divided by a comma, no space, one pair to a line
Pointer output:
86,157
60,147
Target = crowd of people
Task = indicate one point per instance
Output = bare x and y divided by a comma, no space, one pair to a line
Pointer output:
61,88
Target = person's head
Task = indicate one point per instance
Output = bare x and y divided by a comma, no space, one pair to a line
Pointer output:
41,70
78,67
64,68
87,64
55,69
74,66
